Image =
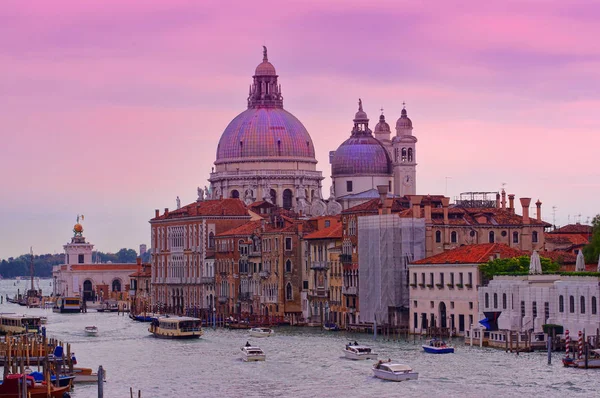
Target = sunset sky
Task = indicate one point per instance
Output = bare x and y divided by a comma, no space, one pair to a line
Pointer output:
113,108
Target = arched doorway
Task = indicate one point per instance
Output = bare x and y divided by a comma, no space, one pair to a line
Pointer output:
442,316
116,285
235,194
287,199
88,290
273,195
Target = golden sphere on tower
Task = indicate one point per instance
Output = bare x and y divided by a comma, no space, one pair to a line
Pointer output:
78,228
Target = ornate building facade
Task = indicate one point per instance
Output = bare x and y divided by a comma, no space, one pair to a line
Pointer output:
265,153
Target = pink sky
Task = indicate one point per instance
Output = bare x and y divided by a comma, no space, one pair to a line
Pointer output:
113,109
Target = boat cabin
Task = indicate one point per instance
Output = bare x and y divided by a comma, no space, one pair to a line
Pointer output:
15,323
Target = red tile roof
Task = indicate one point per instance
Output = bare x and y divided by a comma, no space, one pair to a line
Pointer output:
566,238
245,229
573,229
333,232
220,207
105,267
472,254
461,216
559,256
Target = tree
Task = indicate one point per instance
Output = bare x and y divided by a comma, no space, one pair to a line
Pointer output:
517,265
126,256
592,250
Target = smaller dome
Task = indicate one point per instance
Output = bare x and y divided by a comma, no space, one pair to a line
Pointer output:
404,122
361,155
265,68
78,228
382,127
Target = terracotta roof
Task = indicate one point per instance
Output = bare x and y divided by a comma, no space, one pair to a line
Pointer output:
245,229
573,229
472,254
371,206
333,232
105,267
559,256
147,273
566,238
221,207
461,216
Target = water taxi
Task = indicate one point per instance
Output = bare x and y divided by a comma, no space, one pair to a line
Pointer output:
17,324
435,346
252,353
331,327
176,327
91,330
357,352
65,305
394,371
261,332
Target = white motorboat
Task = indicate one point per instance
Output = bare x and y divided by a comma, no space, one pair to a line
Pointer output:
91,330
86,375
357,352
394,371
261,332
252,353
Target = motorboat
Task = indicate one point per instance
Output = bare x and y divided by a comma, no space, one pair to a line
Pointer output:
393,371
18,324
331,327
63,380
261,332
91,330
593,360
176,327
86,375
252,353
357,352
11,387
67,305
435,346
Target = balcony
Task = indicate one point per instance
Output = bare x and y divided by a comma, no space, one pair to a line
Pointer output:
319,265
350,290
247,296
207,280
223,299
319,293
255,253
346,259
264,274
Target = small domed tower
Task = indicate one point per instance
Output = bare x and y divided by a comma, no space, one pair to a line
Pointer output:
78,251
404,157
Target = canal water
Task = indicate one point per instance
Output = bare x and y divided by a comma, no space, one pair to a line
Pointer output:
301,362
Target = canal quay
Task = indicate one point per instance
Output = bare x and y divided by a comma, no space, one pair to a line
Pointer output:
301,362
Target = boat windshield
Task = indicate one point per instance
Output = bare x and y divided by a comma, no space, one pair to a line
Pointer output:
396,367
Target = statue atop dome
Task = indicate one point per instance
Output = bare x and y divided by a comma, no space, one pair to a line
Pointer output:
265,59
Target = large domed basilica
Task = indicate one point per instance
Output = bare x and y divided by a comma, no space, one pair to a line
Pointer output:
265,153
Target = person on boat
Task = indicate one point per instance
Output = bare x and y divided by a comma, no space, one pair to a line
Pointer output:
355,343
248,344
379,363
73,359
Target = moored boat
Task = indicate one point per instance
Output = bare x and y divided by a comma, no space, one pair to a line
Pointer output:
91,330
357,352
593,361
252,353
17,323
393,371
63,380
331,327
11,387
176,327
86,375
66,305
435,346
261,332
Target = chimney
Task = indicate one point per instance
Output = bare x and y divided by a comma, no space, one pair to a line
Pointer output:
503,199
300,229
139,261
166,211
386,204
497,200
427,206
415,201
538,204
511,203
445,203
525,202
156,213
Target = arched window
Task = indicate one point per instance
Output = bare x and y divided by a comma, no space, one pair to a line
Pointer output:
534,237
410,154
211,240
273,195
571,304
594,306
287,199
495,300
561,304
582,305
396,154
515,237
438,236
288,266
116,285
453,238
491,237
404,154
288,292
503,301
235,194
487,300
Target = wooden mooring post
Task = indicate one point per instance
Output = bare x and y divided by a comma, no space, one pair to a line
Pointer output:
100,382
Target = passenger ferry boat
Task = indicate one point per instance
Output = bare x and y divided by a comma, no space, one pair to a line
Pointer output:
18,324
357,352
435,346
261,332
252,353
176,327
65,305
394,371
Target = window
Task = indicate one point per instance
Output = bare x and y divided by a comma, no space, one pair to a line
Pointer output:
495,300
415,303
288,243
470,305
534,309
288,292
423,278
594,306
410,154
414,278
546,312
534,237
235,194
348,186
211,240
438,236
470,278
288,266
491,237
561,304
582,305
287,199
515,237
571,304
522,308
81,259
442,279
352,227
460,278
404,154
503,301
453,237
431,304
431,278
452,305
452,278
305,285
487,300
327,223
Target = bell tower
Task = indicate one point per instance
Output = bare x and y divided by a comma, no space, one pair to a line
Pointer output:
404,157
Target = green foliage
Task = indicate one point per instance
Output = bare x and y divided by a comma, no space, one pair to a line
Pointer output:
584,273
592,250
514,266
